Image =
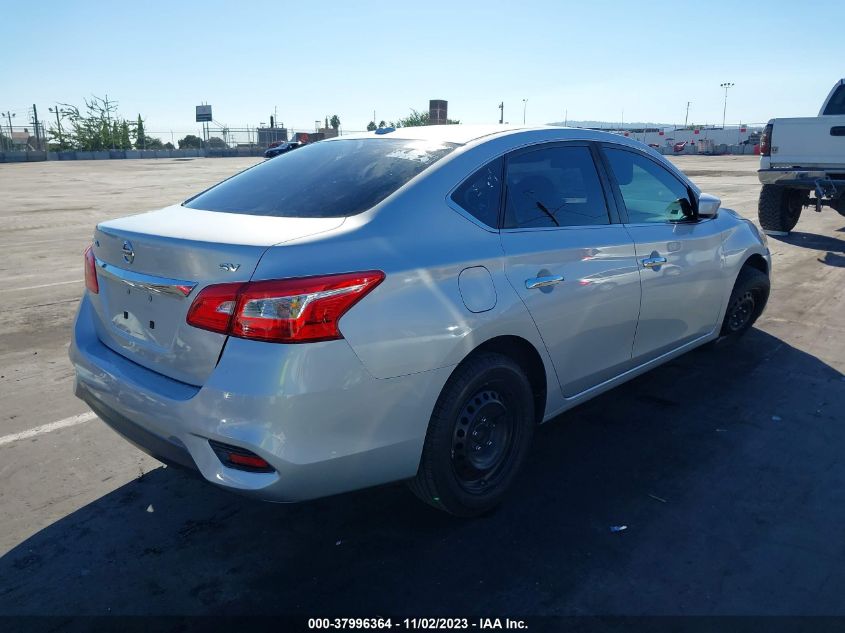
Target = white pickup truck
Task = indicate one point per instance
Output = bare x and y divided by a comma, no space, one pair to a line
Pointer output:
802,163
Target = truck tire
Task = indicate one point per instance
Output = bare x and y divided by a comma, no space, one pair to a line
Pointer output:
779,209
839,205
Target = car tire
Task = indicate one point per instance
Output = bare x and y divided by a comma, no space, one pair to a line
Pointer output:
748,299
478,437
779,209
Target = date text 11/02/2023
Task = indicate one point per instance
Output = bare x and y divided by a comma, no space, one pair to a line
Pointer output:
429,624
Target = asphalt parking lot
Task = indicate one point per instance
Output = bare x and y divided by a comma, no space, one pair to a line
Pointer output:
725,465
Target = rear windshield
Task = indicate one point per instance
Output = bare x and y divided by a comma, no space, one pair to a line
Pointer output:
836,105
324,180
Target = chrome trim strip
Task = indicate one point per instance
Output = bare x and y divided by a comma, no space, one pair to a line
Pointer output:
157,285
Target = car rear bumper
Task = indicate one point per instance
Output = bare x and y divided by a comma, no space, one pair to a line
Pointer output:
803,178
312,412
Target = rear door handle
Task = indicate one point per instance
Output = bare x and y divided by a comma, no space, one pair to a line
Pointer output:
838,130
653,262
540,282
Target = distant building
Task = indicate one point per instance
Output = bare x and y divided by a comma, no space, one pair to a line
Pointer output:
438,112
267,135
21,140
670,135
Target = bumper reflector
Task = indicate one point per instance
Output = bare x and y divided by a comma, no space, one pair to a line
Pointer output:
240,458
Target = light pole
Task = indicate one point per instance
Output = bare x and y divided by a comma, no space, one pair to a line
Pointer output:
9,116
686,117
725,85
501,112
524,107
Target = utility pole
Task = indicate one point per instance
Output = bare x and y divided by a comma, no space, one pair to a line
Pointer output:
566,117
58,125
524,107
501,113
725,85
686,116
37,130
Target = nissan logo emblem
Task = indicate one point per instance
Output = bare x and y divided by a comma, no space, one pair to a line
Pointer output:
128,253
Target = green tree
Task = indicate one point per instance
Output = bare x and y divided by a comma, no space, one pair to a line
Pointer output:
125,141
140,136
382,124
190,142
169,145
215,142
115,135
371,126
417,118
335,121
153,142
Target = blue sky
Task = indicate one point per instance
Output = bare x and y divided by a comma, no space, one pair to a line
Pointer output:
593,59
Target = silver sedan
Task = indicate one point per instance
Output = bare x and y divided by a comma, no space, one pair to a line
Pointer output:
403,305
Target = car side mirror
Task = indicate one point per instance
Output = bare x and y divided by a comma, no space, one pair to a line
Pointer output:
687,210
708,205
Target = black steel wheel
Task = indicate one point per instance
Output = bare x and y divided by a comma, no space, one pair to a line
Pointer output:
481,441
740,312
749,296
478,436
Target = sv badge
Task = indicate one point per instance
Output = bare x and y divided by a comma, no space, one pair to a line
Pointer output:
229,267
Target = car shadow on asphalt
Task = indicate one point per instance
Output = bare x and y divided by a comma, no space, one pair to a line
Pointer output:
720,474
833,245
812,240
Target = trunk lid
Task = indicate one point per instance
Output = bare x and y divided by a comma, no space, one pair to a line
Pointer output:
151,266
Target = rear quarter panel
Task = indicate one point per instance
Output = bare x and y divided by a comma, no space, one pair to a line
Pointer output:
416,319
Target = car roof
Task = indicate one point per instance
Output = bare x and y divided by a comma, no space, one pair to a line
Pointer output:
463,134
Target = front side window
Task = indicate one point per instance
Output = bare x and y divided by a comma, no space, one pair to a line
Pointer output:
553,187
480,194
323,180
651,193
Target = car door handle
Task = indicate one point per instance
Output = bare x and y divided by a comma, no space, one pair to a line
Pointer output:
653,262
541,282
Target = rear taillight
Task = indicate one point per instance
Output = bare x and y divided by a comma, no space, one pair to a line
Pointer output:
91,271
283,310
766,141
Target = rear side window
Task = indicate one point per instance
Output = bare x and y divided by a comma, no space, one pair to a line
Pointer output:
480,194
836,105
554,186
323,180
651,193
